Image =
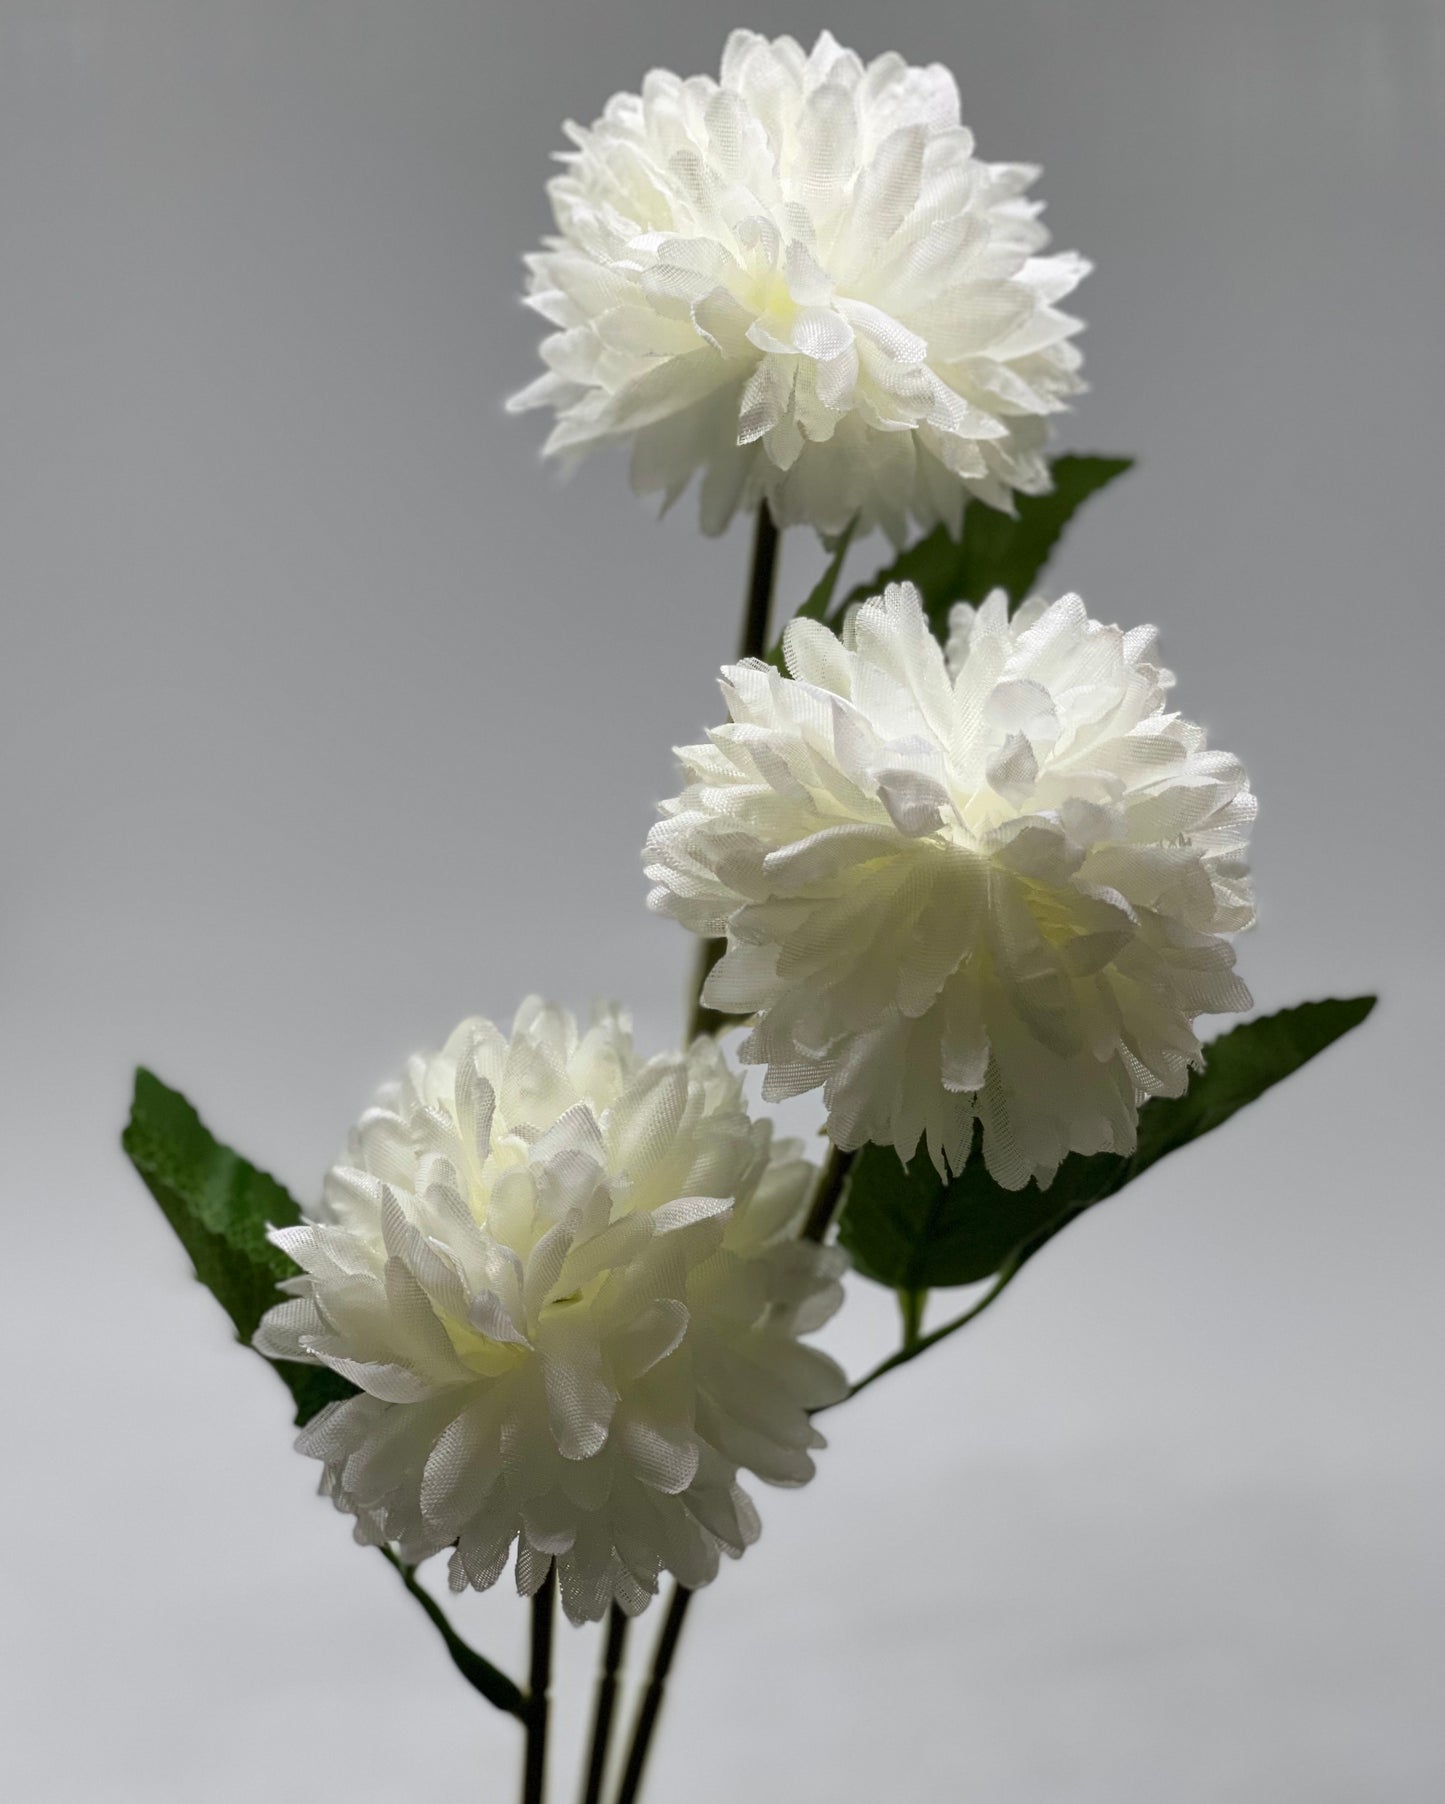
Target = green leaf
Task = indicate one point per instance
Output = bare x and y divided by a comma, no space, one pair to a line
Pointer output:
1242,1065
220,1207
997,550
311,1387
904,1227
475,1668
908,1229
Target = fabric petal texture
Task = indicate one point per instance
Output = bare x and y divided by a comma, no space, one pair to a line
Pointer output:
798,281
567,1283
982,882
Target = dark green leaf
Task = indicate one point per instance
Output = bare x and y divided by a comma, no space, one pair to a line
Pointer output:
997,550
220,1207
218,1204
909,1230
475,1668
311,1387
1242,1065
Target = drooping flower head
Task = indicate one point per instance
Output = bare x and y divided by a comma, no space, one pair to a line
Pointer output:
982,882
567,1283
799,280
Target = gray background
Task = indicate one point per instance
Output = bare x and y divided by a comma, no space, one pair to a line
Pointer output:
329,716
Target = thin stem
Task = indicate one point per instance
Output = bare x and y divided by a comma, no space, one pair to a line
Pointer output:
652,1697
534,1770
700,1018
478,1671
759,607
617,1626
912,1303
753,643
830,1194
924,1341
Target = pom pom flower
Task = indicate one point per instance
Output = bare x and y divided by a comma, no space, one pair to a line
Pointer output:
800,280
568,1286
986,882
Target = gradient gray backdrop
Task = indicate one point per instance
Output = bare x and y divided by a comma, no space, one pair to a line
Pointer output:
329,716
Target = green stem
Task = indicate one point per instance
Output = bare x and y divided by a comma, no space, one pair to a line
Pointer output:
830,1194
912,1303
752,643
700,1018
648,1710
480,1674
607,1675
762,574
924,1341
534,1767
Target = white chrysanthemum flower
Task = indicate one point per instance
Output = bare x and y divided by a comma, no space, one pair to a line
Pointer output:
986,883
800,280
568,1284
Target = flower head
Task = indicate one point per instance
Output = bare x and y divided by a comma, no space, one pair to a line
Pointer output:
567,1283
800,280
986,882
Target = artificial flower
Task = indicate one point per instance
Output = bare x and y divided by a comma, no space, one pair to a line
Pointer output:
567,1283
799,280
983,882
